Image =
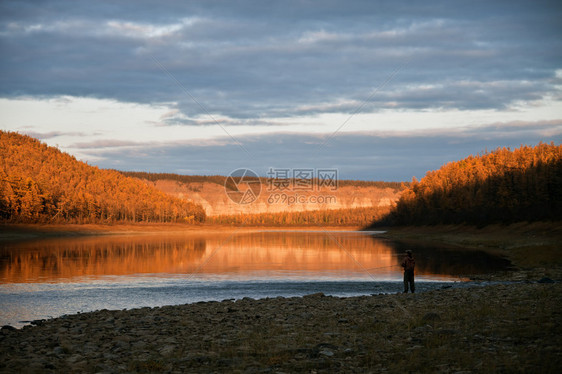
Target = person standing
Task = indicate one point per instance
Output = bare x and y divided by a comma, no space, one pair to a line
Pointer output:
408,264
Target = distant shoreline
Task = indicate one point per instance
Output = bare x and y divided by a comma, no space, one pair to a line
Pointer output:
9,232
497,235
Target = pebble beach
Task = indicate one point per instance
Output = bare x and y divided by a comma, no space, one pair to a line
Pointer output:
512,327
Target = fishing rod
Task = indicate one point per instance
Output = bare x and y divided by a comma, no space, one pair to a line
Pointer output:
382,267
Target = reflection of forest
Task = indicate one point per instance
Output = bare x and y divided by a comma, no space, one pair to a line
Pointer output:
48,260
298,251
316,252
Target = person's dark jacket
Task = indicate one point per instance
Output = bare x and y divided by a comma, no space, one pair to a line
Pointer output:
408,263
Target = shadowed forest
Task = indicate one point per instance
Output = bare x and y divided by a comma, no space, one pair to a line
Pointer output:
503,186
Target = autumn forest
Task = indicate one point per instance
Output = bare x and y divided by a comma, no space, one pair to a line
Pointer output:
41,184
503,186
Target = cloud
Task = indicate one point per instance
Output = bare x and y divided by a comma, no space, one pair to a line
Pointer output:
145,31
106,143
250,61
101,145
53,134
391,156
160,85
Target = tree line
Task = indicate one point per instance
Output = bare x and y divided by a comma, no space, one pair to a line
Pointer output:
502,186
333,217
223,181
39,183
186,179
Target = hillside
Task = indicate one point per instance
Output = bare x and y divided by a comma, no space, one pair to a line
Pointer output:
357,217
210,193
39,183
503,186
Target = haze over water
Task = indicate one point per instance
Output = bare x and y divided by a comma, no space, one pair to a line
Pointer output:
51,277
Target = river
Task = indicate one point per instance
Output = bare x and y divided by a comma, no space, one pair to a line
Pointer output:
51,277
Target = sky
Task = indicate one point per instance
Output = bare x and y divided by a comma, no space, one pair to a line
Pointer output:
380,90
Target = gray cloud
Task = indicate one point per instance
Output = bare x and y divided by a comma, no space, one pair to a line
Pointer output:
251,60
53,134
108,143
368,156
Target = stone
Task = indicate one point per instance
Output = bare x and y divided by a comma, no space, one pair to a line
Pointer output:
122,338
59,351
361,334
546,280
170,340
315,295
75,358
431,317
167,350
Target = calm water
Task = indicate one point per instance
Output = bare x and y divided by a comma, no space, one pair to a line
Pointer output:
52,277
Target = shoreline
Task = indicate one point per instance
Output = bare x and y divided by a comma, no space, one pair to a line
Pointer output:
532,248
495,328
498,236
482,329
9,232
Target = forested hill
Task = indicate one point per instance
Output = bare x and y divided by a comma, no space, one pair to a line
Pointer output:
353,200
503,186
223,181
39,183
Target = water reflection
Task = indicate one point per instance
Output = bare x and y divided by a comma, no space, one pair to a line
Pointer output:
451,261
258,254
64,259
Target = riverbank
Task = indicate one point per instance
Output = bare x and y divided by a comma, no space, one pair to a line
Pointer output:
502,237
9,232
499,328
534,249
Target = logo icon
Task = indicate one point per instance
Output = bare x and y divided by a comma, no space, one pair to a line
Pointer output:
243,186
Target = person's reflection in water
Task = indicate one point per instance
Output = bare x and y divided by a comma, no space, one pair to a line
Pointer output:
408,264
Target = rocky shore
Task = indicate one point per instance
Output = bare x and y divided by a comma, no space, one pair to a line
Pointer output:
513,327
